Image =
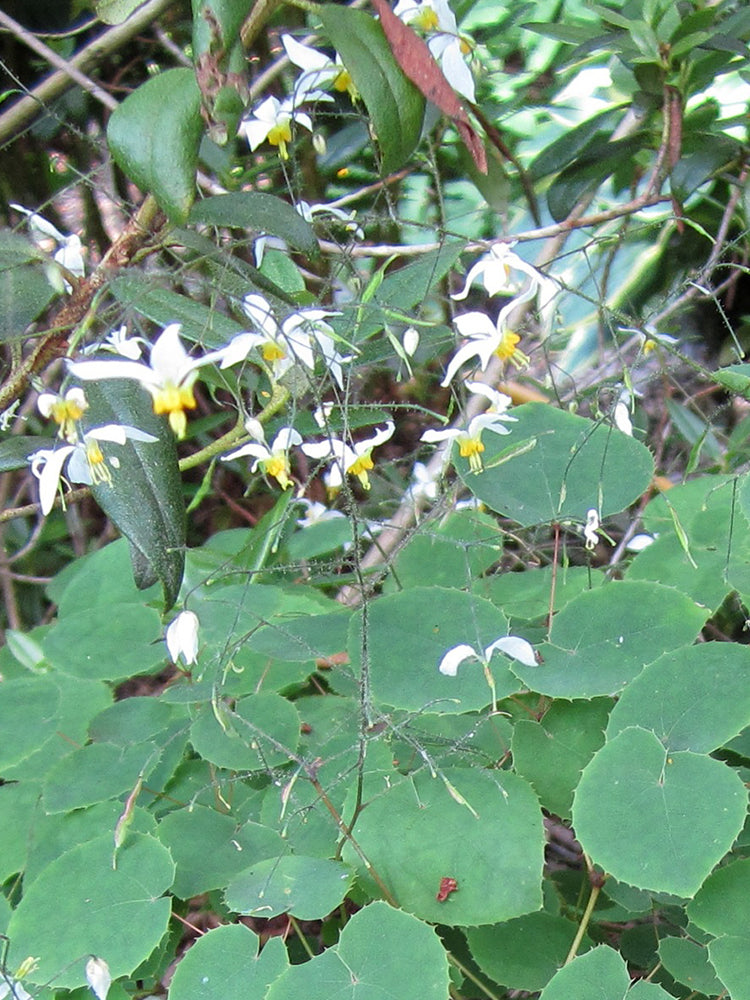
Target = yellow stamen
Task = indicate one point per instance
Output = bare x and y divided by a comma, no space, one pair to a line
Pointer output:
472,449
272,351
649,346
360,469
66,413
278,467
507,350
279,135
97,466
174,400
427,19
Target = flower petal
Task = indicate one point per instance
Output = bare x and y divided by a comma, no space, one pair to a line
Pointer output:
455,657
514,647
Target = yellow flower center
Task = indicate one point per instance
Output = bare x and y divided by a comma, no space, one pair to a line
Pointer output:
649,346
278,467
360,469
272,351
66,413
507,350
174,400
279,135
97,466
507,345
427,19
472,449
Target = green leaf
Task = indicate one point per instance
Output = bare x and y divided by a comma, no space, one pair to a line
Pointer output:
408,635
227,962
308,888
735,378
603,638
393,102
111,646
688,963
456,551
551,753
483,829
19,802
119,914
524,953
696,698
600,974
30,710
95,773
199,322
374,958
24,288
116,11
571,465
154,136
642,813
209,848
261,732
144,499
257,210
100,579
721,908
15,451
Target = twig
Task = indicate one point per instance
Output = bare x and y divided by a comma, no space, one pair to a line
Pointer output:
29,107
75,74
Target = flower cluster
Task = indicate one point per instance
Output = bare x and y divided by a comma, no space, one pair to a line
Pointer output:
450,49
485,338
469,438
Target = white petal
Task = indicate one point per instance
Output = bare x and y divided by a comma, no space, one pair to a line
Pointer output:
255,450
454,658
45,403
258,310
320,449
475,325
239,347
168,358
303,55
456,71
98,977
286,439
182,637
92,371
514,647
49,477
432,436
469,350
640,542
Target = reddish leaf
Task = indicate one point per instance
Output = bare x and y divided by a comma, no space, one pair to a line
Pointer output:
419,65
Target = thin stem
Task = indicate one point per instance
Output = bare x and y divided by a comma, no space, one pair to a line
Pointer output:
300,935
585,920
468,974
35,102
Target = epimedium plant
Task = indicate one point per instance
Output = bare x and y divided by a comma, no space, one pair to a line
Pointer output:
529,637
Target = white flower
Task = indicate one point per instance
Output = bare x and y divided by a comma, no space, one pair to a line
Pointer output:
485,338
355,459
68,254
85,460
98,977
308,212
316,513
318,69
65,410
120,343
494,268
512,645
410,341
169,376
640,542
591,528
274,461
621,413
469,438
424,485
272,120
293,341
437,19
182,638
